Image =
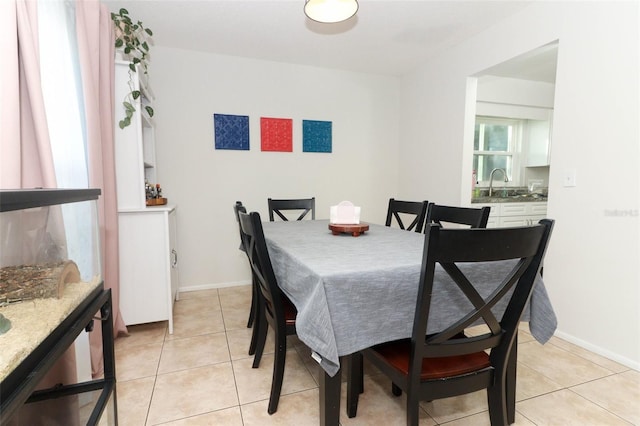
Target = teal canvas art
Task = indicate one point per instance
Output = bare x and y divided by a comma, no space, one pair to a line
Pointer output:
316,136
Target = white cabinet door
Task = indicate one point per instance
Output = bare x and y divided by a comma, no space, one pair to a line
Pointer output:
535,209
508,221
513,209
147,290
173,255
493,222
538,141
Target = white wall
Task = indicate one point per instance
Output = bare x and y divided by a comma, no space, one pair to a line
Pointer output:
514,98
591,269
205,183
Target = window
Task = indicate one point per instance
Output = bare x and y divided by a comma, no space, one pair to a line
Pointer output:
496,144
62,93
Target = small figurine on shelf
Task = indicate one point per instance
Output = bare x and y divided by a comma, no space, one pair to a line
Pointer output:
147,190
154,195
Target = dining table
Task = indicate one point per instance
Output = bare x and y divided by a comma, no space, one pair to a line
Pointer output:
353,292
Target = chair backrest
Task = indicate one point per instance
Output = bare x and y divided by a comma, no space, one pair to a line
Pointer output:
278,205
398,208
474,217
256,245
237,208
449,248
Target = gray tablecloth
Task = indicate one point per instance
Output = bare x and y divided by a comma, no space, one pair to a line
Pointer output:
355,292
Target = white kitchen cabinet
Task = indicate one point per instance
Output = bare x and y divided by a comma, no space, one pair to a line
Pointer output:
538,143
148,253
494,213
515,214
148,265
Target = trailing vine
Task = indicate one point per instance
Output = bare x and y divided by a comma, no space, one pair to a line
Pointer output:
132,38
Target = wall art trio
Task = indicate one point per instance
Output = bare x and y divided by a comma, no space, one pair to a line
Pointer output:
276,134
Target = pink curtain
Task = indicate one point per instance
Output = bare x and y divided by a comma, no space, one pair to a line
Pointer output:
96,53
26,160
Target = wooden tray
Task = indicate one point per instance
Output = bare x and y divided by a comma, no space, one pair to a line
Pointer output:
156,201
353,229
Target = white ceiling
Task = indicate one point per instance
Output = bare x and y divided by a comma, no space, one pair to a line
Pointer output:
389,37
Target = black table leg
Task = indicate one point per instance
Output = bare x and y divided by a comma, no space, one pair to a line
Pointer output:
330,399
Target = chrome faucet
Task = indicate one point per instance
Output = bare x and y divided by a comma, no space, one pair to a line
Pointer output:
504,173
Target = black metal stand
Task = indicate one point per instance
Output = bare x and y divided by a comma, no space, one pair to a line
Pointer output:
18,387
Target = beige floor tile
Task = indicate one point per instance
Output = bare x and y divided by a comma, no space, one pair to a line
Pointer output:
233,296
239,341
235,317
311,364
559,365
196,323
142,334
482,419
196,305
523,332
530,383
619,394
184,295
133,399
448,409
192,392
190,352
188,379
566,408
235,303
136,361
296,409
254,384
377,406
524,335
583,353
226,417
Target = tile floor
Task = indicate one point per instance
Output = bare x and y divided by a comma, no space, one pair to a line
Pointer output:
202,375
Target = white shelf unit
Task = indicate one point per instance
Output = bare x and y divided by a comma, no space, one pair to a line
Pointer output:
148,249
135,144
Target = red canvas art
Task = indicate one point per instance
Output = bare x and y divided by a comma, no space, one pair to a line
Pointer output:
276,134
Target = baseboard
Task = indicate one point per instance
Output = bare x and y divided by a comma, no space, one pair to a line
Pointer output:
599,350
201,287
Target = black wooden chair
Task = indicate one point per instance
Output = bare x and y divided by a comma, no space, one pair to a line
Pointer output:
448,363
277,206
255,293
473,217
417,210
275,309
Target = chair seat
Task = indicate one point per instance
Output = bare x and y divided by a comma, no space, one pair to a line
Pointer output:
397,355
290,312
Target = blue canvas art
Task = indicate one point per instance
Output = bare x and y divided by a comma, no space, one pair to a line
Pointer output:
231,131
316,136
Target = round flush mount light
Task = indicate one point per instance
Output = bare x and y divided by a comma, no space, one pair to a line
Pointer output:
330,11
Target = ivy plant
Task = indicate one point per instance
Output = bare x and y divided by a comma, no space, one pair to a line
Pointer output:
132,38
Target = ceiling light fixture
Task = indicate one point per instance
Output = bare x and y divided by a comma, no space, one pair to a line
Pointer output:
330,11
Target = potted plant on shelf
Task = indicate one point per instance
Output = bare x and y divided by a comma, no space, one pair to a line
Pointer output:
132,40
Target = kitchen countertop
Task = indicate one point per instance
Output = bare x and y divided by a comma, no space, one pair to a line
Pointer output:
511,199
